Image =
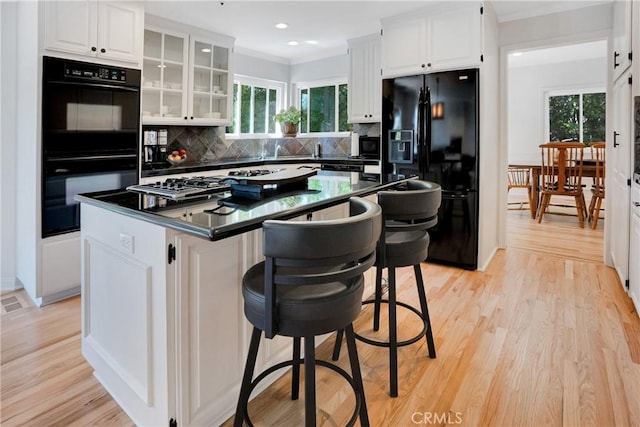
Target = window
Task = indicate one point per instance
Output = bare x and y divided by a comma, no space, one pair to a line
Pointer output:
255,102
577,116
323,106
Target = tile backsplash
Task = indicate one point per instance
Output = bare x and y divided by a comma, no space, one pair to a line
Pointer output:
208,144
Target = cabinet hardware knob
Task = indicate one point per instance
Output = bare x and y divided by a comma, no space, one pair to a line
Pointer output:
186,118
636,204
93,48
191,117
422,65
103,50
428,64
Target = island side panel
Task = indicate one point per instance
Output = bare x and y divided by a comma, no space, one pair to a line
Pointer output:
126,289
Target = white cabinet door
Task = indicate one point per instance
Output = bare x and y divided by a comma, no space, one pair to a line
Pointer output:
210,82
365,90
620,61
454,39
404,46
120,26
439,38
210,333
619,172
165,76
70,27
634,256
108,30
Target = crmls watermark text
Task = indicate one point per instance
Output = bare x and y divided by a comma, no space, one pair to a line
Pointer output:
436,418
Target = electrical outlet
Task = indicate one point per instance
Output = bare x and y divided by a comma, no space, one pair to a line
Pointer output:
126,241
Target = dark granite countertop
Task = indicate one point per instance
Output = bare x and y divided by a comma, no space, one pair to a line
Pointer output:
244,163
222,215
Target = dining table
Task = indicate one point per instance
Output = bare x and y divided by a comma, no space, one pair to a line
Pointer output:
588,171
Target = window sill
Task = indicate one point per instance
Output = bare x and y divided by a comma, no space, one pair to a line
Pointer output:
247,136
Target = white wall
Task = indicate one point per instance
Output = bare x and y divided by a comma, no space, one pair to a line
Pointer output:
8,78
247,65
327,68
526,101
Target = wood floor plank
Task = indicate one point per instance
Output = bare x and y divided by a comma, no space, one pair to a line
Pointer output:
545,336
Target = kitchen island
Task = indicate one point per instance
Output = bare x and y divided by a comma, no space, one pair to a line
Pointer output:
162,311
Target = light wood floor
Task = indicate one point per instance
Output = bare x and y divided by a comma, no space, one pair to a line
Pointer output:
545,336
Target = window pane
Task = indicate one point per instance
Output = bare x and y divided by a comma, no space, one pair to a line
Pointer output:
322,107
342,108
564,118
304,108
259,109
593,117
273,96
245,109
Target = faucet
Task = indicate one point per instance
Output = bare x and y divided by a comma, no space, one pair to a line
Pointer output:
275,155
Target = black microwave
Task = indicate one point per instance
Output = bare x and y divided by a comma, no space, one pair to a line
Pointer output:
369,147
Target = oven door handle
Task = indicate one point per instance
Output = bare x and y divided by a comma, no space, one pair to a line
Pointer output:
96,85
89,158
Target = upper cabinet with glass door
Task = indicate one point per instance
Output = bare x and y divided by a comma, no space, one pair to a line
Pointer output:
187,75
164,77
210,82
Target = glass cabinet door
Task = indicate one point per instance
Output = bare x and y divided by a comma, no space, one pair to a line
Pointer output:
209,81
164,78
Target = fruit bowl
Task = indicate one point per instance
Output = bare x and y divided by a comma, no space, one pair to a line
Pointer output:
176,160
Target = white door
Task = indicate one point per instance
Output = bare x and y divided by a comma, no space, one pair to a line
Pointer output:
618,175
120,31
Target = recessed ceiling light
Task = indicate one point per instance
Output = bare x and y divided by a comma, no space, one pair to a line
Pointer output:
517,53
281,26
162,66
293,43
311,42
205,50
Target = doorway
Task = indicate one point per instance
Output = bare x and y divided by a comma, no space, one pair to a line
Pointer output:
540,81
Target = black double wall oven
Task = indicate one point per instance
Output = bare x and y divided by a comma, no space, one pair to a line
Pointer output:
90,136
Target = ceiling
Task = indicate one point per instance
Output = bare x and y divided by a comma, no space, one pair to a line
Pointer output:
558,54
320,27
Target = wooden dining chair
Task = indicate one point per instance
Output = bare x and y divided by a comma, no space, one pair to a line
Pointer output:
597,191
519,178
561,175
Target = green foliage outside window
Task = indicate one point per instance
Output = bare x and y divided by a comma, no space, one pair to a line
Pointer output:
318,105
568,112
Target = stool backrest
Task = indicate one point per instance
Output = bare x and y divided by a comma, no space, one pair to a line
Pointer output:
417,205
299,253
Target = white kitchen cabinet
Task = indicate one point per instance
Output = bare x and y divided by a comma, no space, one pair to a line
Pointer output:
187,76
164,76
620,58
99,29
634,249
365,84
442,37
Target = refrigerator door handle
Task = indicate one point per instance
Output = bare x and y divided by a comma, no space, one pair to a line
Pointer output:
419,134
426,129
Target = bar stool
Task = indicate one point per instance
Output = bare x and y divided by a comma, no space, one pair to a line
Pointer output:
407,216
310,283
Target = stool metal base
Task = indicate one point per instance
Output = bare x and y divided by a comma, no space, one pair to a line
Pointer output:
355,381
393,342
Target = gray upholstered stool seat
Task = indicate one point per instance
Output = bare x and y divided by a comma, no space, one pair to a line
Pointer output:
310,283
407,214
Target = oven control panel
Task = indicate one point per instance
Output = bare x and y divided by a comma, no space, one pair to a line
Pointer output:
95,72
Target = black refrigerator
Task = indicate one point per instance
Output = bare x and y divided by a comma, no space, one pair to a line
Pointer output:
430,128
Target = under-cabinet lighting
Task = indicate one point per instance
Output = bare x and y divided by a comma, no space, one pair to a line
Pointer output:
281,26
293,43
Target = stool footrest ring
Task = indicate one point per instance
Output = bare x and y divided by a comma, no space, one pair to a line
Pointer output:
286,363
409,341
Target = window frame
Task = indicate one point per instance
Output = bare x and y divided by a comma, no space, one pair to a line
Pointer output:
580,91
336,82
281,91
